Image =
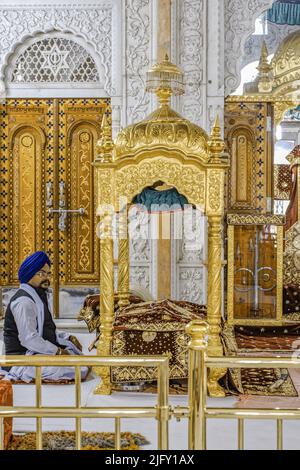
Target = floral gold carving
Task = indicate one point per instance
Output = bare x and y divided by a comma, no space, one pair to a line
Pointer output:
188,179
164,127
248,219
215,185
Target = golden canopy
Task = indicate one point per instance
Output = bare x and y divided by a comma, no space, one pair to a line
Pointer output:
164,127
286,64
163,147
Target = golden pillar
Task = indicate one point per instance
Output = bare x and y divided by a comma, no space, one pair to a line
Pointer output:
106,301
123,259
105,184
214,306
215,212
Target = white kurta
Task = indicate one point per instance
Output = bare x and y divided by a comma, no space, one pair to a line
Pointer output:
29,317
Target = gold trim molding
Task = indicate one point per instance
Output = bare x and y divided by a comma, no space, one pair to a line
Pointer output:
249,219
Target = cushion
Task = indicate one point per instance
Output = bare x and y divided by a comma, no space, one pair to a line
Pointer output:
90,312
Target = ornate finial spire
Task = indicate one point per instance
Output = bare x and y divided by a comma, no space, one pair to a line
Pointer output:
264,71
216,130
165,79
105,144
216,143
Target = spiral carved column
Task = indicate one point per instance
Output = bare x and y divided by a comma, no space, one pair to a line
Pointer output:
123,260
106,301
214,306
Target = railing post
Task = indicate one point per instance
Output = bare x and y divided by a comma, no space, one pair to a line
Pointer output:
163,406
198,330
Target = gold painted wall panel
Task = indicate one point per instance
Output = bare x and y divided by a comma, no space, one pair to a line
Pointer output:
80,128
248,140
44,143
243,165
25,165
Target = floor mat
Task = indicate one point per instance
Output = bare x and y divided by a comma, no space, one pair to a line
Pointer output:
65,440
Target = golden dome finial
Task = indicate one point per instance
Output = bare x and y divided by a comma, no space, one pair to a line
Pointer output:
264,71
216,130
105,144
165,79
216,143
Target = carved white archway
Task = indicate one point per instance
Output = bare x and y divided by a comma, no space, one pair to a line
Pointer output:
54,64
240,16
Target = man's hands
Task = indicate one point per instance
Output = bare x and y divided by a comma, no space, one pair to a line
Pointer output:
62,352
76,343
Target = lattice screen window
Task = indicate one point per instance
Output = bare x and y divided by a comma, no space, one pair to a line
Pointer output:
55,60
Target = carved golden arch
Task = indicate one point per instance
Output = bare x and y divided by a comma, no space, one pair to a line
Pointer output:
120,177
188,179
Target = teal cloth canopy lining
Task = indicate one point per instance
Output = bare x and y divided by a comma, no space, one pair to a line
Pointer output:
161,201
285,12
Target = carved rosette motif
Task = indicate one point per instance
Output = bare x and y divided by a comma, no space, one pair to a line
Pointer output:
137,57
189,180
192,57
240,16
140,250
93,22
191,285
140,277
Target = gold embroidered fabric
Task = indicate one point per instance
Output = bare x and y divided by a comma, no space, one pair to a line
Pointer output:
153,328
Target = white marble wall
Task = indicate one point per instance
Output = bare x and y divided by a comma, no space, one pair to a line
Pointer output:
118,33
208,39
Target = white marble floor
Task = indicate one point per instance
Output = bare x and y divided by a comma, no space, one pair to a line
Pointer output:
221,434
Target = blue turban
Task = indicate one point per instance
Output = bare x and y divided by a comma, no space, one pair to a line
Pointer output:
31,265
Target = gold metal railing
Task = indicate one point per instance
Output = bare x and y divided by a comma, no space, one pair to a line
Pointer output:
199,363
160,412
197,412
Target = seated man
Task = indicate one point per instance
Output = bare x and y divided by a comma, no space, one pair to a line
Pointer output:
29,328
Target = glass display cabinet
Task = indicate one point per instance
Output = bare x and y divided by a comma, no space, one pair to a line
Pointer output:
254,277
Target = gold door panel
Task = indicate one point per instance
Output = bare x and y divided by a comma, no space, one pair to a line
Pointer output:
26,168
46,165
80,128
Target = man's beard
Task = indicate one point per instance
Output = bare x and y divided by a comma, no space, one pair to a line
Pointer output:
45,284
